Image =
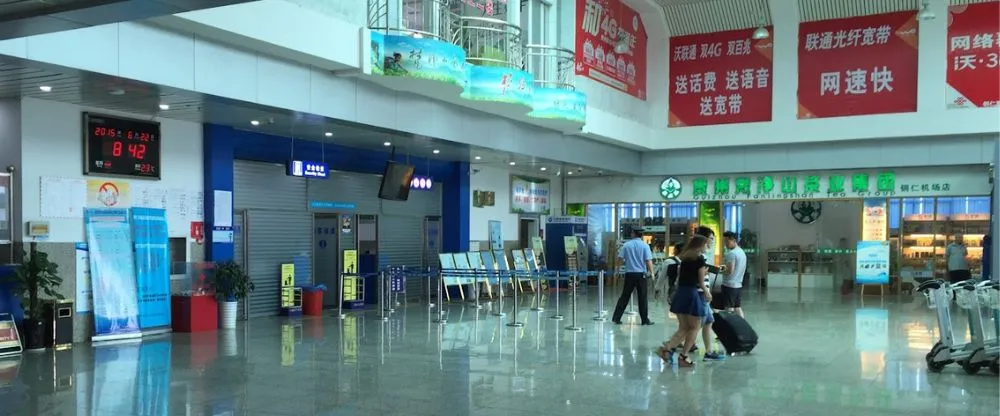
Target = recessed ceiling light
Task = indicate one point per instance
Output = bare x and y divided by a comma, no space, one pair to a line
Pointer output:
45,88
164,106
544,168
116,92
436,151
387,144
479,157
254,122
512,163
328,134
569,172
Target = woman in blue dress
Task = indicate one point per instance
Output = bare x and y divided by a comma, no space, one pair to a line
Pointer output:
688,303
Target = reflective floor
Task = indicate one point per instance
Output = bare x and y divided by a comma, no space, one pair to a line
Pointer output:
828,355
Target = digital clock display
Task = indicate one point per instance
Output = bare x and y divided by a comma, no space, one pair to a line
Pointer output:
120,146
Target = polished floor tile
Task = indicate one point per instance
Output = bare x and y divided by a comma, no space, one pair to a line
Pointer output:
819,354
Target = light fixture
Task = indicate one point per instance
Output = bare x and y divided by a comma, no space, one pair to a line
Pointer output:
45,88
479,157
164,106
435,151
512,163
544,169
254,123
622,45
422,183
925,12
761,31
328,134
569,172
387,144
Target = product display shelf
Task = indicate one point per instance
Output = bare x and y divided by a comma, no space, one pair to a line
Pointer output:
791,267
924,238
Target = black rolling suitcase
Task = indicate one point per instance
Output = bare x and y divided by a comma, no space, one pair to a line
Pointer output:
735,334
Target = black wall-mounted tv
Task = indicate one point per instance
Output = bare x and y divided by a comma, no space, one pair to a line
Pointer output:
395,182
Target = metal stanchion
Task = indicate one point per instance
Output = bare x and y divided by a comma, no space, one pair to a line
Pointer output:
499,312
631,305
430,301
476,290
513,322
538,293
340,299
573,327
440,319
600,314
557,316
382,307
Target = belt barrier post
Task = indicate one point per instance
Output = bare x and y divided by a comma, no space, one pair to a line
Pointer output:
383,308
573,327
499,312
538,293
430,300
557,316
476,289
513,322
631,304
440,319
340,297
600,312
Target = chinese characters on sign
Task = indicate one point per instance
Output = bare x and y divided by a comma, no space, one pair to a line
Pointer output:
602,27
720,78
857,66
973,55
529,195
795,186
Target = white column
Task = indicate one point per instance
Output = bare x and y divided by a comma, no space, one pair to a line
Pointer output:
996,211
785,36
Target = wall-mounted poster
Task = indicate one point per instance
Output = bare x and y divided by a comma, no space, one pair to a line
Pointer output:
496,235
875,219
529,195
611,45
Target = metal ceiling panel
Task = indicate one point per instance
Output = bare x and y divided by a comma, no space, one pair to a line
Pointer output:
687,17
814,10
22,78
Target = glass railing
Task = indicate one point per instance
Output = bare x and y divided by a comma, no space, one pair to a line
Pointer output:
551,66
489,42
417,18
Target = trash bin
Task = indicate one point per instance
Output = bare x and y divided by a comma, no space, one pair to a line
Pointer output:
312,301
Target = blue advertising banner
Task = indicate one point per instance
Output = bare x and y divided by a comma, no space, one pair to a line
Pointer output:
559,104
112,273
424,58
152,266
872,263
378,53
500,85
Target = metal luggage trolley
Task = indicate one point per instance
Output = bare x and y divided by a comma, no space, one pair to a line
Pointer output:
989,298
973,355
981,350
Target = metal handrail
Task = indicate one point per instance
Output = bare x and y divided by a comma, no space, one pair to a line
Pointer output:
434,25
482,36
551,66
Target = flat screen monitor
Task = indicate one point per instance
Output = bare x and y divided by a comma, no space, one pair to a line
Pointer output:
396,182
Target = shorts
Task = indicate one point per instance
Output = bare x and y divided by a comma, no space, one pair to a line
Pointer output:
709,318
956,276
731,297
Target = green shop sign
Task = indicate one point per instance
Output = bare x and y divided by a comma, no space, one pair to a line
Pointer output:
797,186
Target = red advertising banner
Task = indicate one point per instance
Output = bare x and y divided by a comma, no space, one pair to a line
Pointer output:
973,55
600,27
859,65
720,78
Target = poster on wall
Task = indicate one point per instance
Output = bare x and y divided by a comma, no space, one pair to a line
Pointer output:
152,266
875,219
112,273
496,235
529,195
720,78
973,55
858,66
102,193
872,265
611,45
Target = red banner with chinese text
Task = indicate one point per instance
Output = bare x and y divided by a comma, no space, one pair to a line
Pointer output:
857,66
600,24
720,78
973,55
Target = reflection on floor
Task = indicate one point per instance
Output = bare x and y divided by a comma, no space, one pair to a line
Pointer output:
837,357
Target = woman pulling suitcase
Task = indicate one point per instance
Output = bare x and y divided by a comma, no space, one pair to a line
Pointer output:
688,303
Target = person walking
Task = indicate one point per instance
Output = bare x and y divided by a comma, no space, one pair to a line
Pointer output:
958,266
638,260
689,304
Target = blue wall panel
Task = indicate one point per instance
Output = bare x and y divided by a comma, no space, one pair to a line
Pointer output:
223,145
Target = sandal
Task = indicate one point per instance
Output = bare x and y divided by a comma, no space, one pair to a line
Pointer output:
664,354
684,361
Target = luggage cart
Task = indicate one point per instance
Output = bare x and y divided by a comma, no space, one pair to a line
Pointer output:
989,297
939,295
981,351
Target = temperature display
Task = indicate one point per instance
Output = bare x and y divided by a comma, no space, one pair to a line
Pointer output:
119,146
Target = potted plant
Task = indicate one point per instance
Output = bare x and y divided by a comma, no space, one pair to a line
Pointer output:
231,285
34,277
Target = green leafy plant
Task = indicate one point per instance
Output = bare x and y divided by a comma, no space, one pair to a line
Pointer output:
231,283
34,277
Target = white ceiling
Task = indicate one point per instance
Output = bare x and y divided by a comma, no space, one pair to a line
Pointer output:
21,78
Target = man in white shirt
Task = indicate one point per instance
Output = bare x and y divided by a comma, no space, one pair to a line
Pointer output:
958,267
736,266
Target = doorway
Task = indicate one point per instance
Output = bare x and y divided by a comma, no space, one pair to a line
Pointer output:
527,228
326,260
